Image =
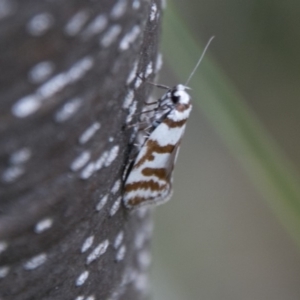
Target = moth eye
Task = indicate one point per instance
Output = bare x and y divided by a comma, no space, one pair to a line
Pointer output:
175,99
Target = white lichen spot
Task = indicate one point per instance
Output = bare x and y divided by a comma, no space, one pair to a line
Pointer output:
148,228
102,202
43,225
142,211
138,137
31,103
35,262
115,207
3,246
101,160
4,271
143,235
79,298
141,283
26,106
58,82
121,253
67,110
119,239
96,26
144,260
146,117
116,187
117,293
7,7
149,70
20,156
80,68
139,240
129,38
40,24
138,81
112,155
159,62
128,99
129,276
80,161
132,73
153,11
136,4
88,171
12,173
87,243
118,9
76,23
53,86
41,71
97,252
92,297
89,132
132,110
110,36
82,278
111,139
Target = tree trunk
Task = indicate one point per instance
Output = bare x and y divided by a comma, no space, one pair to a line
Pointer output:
68,88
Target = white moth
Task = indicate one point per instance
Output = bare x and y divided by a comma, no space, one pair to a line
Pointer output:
149,180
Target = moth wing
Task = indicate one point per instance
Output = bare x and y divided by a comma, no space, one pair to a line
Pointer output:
150,179
172,160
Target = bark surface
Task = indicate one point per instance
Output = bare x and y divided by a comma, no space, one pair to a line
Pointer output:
68,86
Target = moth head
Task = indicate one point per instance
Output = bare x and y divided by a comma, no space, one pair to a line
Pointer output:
179,95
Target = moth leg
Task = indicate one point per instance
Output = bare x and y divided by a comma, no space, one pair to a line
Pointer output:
144,111
136,124
150,103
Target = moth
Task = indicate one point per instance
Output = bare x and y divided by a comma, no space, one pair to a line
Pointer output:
150,178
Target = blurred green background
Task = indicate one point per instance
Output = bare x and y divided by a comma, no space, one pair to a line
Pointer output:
232,228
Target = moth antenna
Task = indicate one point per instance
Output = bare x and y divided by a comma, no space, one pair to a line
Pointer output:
162,86
199,61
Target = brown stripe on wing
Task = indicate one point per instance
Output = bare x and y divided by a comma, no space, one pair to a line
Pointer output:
144,185
182,107
153,146
173,156
136,200
174,124
160,173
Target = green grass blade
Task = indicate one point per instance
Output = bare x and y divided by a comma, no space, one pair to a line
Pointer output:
268,168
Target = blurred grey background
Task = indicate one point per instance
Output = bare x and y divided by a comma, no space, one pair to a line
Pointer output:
217,238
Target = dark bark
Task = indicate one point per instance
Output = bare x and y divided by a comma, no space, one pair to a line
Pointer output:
66,70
